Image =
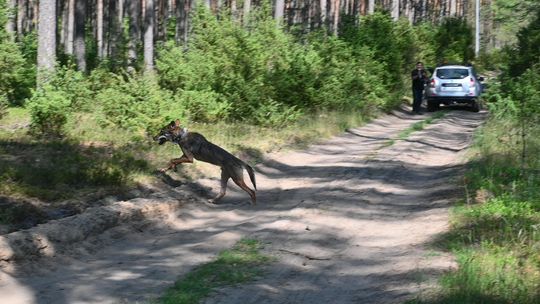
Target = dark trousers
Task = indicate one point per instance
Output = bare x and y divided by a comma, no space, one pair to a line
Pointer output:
417,99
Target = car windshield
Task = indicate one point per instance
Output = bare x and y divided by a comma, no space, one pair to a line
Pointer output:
452,73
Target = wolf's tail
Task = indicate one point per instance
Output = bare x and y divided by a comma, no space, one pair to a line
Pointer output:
251,175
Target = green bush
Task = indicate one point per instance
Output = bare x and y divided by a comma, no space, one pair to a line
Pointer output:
526,52
13,78
51,104
454,41
424,44
379,33
138,104
49,110
204,106
13,75
264,76
349,78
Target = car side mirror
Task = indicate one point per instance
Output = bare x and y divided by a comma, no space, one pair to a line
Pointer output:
480,78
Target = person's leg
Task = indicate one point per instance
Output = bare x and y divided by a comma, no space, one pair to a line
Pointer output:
420,97
417,100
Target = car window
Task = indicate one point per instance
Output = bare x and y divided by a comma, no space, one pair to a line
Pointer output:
452,73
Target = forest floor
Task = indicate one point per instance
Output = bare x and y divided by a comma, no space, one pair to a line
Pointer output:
352,219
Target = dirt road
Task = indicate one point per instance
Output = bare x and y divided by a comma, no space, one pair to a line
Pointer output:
350,220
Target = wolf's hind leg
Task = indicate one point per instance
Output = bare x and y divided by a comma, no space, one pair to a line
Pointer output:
240,182
224,179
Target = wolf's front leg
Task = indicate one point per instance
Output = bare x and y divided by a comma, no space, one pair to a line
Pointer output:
175,162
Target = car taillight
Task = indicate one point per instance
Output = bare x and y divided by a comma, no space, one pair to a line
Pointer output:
472,81
433,83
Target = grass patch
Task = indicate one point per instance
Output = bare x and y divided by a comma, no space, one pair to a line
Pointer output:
56,170
14,124
418,126
240,264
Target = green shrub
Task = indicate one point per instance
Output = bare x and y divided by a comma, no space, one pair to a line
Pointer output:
454,40
49,109
526,52
51,104
137,103
264,76
13,78
424,44
13,75
204,106
379,33
272,113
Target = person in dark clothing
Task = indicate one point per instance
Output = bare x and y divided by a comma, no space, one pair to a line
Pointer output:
419,77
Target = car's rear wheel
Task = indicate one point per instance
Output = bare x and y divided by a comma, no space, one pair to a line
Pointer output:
432,105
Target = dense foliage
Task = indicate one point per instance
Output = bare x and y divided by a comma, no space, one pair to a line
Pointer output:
260,74
454,41
263,75
16,76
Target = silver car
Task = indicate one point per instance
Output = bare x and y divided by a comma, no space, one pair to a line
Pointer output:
454,84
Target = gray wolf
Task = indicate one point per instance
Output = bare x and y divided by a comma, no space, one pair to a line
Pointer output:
194,145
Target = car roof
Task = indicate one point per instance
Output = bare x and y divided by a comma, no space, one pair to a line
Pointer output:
454,67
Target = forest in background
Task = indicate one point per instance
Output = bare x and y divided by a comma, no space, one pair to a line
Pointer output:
134,63
264,63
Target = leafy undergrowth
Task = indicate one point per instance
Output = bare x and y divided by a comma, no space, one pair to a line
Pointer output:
243,263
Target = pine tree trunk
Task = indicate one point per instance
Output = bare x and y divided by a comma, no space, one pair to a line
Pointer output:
79,44
410,11
149,36
21,13
234,10
336,10
65,14
99,26
68,40
114,30
12,18
279,11
324,12
46,58
395,10
247,9
134,32
34,15
181,22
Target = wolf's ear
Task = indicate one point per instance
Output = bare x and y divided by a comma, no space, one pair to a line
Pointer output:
177,123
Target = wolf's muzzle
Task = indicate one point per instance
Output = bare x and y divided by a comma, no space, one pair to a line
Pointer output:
161,139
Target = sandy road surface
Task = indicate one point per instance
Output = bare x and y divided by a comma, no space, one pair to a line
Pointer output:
349,220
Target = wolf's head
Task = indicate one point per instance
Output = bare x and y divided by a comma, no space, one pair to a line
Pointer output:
170,132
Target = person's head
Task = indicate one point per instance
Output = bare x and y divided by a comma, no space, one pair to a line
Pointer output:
419,65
